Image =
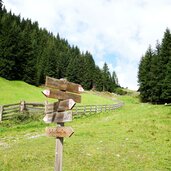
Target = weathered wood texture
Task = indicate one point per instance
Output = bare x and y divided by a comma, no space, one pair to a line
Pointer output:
57,94
59,152
63,84
1,113
59,106
78,110
59,131
9,111
58,117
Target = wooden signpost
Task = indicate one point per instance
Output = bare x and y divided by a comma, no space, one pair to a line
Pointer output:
58,117
59,131
61,95
60,112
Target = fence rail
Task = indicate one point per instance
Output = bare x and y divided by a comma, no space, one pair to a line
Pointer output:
9,111
95,108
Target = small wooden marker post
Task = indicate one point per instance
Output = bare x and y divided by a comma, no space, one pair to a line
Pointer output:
60,112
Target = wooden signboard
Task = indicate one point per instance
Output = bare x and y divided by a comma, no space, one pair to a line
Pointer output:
63,84
59,112
61,95
59,131
58,117
59,106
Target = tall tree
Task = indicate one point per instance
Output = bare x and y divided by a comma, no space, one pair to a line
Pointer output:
164,66
88,71
29,53
144,75
106,78
1,3
9,46
98,79
154,74
115,79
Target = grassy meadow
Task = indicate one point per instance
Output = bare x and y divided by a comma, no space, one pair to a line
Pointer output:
16,91
136,137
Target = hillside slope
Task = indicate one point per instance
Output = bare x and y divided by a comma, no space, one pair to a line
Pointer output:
16,91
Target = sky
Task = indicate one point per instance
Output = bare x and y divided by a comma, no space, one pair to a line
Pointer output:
117,32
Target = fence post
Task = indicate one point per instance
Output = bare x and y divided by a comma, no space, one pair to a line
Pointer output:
1,113
76,110
46,103
22,106
84,109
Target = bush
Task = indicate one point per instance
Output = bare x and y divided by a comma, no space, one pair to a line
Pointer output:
120,91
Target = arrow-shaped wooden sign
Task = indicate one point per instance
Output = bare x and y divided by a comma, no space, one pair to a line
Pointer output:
58,117
59,131
59,106
57,94
63,84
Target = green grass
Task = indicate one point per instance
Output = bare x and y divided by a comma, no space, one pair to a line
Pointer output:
136,137
16,91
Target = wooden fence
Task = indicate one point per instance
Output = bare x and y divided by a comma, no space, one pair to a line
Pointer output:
95,108
11,110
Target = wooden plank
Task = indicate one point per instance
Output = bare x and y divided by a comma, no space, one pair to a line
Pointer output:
59,106
7,105
35,104
1,112
10,112
63,84
11,108
32,109
58,117
59,151
57,94
59,131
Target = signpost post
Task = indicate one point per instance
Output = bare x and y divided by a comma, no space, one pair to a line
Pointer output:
60,112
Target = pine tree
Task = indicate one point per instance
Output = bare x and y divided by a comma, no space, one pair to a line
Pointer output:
1,4
144,75
88,71
154,79
164,66
154,74
98,79
106,78
9,46
42,37
29,53
75,70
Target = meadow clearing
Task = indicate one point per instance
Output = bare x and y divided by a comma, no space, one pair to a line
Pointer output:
136,136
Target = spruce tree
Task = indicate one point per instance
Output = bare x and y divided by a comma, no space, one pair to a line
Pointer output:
144,75
98,79
1,4
88,71
106,78
154,74
164,66
9,46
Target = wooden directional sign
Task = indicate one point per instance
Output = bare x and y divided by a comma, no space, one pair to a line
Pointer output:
59,112
63,84
59,131
57,94
58,117
59,106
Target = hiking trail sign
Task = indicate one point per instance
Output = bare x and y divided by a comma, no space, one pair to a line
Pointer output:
59,112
